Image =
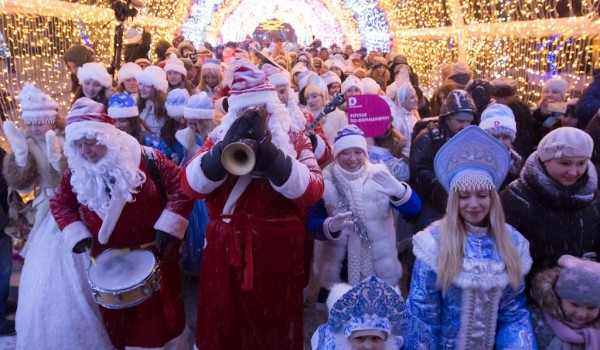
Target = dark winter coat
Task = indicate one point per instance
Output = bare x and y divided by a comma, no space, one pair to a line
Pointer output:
422,176
524,141
593,129
557,220
139,50
589,102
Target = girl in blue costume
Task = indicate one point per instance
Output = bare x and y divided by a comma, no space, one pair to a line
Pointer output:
151,104
199,115
467,289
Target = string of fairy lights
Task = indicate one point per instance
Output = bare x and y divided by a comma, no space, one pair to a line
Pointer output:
529,40
37,33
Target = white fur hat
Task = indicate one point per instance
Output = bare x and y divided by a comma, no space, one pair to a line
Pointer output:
558,84
94,71
175,64
351,81
565,142
36,106
330,77
199,107
349,137
176,101
298,68
122,106
133,36
128,71
211,64
498,119
153,76
370,86
304,77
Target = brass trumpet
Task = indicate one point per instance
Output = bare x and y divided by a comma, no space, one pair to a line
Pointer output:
239,157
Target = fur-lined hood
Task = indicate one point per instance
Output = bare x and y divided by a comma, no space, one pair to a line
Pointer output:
542,291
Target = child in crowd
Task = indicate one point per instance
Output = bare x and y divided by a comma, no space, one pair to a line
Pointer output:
468,289
566,315
499,121
360,319
124,112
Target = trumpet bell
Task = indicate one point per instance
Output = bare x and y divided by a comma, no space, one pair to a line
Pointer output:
239,158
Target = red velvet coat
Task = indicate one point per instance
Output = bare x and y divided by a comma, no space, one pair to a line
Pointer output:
160,318
323,150
252,269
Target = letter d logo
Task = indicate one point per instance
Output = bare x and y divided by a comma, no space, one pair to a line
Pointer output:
351,101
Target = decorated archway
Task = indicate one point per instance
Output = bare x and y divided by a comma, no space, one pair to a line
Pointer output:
358,23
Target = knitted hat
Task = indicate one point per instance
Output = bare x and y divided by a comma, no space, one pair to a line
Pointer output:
504,87
378,62
175,64
497,119
143,60
133,36
176,101
128,71
349,137
471,160
185,45
400,59
579,280
275,75
36,106
458,105
370,86
211,64
171,50
298,68
481,92
87,117
122,106
155,77
557,84
250,87
94,71
565,142
199,107
460,73
79,55
350,82
330,77
303,79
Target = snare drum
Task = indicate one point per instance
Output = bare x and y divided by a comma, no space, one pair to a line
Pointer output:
123,280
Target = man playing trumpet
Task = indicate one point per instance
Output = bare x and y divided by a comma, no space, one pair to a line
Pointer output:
252,270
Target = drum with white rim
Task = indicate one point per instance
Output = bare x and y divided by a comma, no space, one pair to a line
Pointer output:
122,280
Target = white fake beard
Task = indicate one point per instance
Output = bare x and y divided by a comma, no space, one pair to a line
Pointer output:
113,176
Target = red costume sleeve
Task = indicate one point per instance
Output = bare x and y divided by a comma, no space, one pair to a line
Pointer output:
322,155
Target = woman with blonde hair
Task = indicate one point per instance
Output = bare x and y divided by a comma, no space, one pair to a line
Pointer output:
467,288
211,76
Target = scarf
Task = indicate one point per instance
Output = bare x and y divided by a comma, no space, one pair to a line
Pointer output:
589,337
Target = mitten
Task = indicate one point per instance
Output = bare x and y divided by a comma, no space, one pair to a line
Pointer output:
388,184
165,244
17,141
211,164
272,162
53,150
83,245
340,221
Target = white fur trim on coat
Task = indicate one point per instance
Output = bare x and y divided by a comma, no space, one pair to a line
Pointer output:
297,183
171,223
75,232
405,198
327,232
195,177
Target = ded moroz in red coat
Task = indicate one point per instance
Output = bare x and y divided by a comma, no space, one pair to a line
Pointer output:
252,269
160,320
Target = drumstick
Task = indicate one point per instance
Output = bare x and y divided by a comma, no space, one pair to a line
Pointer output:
128,249
89,251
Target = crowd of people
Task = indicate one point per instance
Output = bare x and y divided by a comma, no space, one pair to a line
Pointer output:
480,211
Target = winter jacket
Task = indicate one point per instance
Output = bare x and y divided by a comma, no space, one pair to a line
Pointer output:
555,219
139,50
524,142
422,176
589,102
593,129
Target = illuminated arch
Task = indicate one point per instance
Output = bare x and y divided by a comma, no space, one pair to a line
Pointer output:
355,22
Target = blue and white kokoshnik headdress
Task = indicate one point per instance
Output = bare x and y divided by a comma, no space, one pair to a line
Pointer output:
371,304
472,160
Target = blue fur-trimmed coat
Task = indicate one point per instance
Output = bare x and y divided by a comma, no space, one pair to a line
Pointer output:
480,310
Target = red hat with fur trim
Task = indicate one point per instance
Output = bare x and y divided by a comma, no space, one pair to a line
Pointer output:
250,87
